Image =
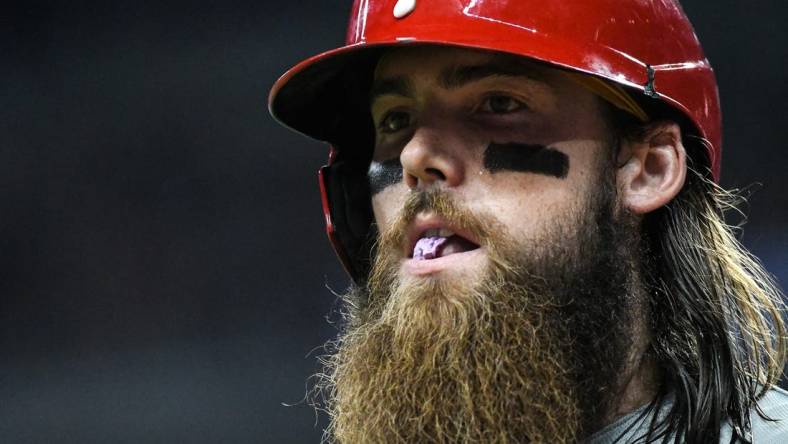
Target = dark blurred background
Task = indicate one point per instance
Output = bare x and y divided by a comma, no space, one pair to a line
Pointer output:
164,269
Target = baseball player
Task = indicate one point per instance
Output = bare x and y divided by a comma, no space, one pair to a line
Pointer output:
525,196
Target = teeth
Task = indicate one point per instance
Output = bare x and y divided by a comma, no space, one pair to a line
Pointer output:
438,232
434,232
444,232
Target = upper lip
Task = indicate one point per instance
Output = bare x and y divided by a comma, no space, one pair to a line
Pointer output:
424,222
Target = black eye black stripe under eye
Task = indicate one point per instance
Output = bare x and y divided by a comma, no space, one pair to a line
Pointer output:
526,158
384,174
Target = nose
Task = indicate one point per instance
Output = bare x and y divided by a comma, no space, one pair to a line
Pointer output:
431,157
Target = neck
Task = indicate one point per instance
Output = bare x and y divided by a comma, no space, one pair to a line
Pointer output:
640,379
637,390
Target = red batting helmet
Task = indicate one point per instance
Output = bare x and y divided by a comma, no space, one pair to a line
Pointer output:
647,47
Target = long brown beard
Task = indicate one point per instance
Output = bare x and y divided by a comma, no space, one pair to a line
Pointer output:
493,359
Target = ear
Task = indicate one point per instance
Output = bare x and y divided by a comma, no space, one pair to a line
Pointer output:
653,169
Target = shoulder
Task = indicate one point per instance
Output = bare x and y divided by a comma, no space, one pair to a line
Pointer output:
772,427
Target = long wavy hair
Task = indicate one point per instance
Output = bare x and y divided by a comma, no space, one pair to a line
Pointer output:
719,338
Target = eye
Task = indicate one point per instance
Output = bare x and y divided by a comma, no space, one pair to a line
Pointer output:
394,121
501,104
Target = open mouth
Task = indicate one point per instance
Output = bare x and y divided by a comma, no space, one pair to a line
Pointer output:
435,243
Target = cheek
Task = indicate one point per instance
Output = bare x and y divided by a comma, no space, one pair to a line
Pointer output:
529,204
387,204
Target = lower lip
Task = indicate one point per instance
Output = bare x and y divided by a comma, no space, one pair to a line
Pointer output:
423,267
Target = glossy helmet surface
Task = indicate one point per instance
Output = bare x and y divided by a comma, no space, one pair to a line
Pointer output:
646,46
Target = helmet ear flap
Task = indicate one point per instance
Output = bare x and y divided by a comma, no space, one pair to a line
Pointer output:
348,209
344,184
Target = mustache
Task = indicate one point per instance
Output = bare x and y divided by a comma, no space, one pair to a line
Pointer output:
443,205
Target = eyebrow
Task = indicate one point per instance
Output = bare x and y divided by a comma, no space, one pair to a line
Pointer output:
458,76
398,86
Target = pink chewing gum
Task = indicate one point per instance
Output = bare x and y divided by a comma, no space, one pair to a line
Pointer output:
427,247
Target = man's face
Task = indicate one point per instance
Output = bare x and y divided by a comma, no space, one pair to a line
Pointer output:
498,307
503,136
